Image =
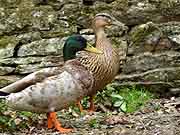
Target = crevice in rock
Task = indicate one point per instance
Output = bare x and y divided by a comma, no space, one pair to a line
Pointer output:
35,55
16,48
130,27
88,2
9,65
18,31
79,28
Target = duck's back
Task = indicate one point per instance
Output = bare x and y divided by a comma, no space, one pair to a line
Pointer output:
55,92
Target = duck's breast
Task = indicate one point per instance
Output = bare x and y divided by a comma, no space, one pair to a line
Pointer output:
53,94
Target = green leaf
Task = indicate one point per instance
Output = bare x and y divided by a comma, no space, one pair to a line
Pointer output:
27,114
110,88
4,119
124,107
12,124
118,103
117,96
93,123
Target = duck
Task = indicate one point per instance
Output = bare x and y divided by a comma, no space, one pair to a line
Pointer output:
50,90
104,67
31,93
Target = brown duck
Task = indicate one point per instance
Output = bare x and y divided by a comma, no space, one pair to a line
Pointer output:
104,67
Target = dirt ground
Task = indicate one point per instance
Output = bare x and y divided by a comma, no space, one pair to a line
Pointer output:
158,117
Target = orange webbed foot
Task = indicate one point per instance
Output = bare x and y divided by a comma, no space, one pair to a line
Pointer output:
53,122
61,129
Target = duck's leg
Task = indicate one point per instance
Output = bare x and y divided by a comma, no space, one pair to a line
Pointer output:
80,106
92,106
49,120
53,121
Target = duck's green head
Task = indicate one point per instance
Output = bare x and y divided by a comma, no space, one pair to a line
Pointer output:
74,44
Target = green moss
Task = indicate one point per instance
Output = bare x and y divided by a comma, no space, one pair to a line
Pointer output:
103,7
4,82
120,5
24,12
139,33
7,40
58,33
9,3
167,4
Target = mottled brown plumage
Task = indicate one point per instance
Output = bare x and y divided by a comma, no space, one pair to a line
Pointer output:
105,66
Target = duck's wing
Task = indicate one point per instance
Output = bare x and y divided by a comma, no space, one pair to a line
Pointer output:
55,92
31,79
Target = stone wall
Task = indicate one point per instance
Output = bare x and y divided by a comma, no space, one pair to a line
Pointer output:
153,57
32,34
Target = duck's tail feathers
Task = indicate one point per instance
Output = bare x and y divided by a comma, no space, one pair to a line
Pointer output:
3,95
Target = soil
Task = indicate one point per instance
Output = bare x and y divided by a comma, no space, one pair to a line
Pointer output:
158,117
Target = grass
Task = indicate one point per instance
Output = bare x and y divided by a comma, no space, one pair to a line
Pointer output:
94,123
11,120
125,99
135,97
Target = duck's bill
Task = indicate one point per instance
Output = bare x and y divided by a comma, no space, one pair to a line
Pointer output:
90,48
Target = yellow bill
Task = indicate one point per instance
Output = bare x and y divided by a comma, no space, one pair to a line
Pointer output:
90,48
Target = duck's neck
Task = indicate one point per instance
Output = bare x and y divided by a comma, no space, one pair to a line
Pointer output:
102,41
100,33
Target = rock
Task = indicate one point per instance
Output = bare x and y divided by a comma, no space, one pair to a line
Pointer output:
30,60
158,80
26,69
42,47
175,91
138,12
8,79
6,70
29,37
144,38
7,46
153,57
29,64
149,61
15,16
32,34
175,38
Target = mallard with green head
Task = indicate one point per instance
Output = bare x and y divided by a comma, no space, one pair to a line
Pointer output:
53,89
72,45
